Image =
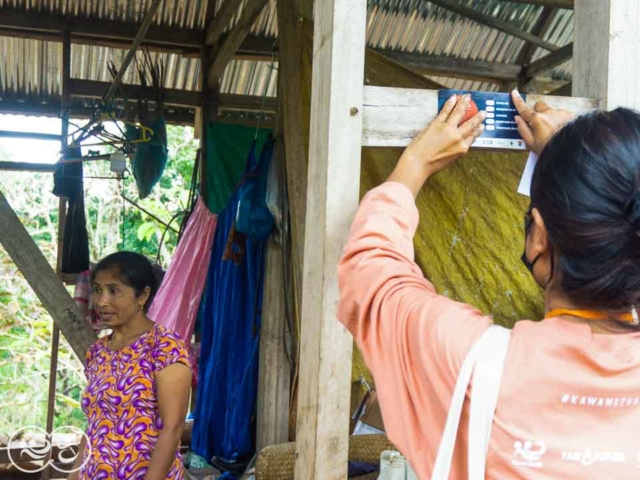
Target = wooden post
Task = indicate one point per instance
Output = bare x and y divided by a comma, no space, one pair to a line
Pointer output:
274,378
332,198
606,65
62,220
292,113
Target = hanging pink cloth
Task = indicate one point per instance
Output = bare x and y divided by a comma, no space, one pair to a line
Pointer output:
176,304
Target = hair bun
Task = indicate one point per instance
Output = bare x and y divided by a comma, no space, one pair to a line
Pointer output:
632,211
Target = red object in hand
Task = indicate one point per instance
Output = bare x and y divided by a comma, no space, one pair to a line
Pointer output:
472,109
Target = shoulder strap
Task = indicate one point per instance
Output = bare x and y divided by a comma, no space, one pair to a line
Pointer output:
495,339
485,389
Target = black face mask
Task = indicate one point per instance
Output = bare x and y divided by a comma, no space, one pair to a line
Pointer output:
528,221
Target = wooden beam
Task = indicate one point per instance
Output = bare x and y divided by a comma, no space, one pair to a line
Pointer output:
492,22
246,103
83,29
221,20
43,279
226,50
333,195
550,61
528,50
210,13
274,373
79,110
394,116
94,89
30,135
452,67
542,25
133,48
294,110
547,3
606,62
27,167
228,101
564,91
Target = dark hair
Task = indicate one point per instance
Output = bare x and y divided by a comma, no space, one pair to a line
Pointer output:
133,270
587,188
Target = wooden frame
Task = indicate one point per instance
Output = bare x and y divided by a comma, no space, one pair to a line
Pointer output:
394,116
607,70
332,198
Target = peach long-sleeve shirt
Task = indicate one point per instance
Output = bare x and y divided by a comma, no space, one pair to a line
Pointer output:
569,404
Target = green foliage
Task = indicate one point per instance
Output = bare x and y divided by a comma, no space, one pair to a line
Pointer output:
25,326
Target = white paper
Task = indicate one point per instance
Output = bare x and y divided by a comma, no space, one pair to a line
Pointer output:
525,181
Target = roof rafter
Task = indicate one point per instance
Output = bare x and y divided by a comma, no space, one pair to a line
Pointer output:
227,48
220,20
549,61
492,22
446,66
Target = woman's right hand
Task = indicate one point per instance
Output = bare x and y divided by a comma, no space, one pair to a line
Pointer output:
538,124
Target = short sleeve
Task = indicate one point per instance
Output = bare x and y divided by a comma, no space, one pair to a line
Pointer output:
169,349
91,353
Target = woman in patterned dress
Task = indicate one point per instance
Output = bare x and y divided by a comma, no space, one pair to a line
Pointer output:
138,381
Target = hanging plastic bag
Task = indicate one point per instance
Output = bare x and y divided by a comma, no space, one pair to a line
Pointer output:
275,185
393,466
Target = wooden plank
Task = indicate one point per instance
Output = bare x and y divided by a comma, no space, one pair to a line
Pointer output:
490,21
550,61
30,135
295,117
394,116
228,48
452,67
221,20
190,98
332,199
274,374
44,281
606,62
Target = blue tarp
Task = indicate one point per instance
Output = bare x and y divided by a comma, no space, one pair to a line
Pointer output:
224,417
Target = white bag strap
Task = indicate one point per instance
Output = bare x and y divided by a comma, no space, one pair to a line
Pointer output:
491,347
485,389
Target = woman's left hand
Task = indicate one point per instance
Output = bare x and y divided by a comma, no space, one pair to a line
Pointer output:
438,145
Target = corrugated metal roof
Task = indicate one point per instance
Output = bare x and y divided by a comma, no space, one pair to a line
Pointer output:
32,67
188,14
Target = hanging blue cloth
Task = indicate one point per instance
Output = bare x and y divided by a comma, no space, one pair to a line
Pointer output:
224,416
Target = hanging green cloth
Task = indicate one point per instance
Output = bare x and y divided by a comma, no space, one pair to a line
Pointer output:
227,150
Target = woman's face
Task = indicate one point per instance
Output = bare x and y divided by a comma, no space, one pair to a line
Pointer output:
115,302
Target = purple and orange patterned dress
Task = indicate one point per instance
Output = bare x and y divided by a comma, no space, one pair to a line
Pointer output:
121,405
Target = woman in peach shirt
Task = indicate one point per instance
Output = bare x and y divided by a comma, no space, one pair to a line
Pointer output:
569,403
